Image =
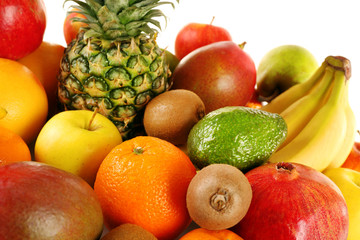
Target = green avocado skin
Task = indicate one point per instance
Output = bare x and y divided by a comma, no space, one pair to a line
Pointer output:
240,136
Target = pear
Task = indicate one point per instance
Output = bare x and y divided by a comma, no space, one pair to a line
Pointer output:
282,68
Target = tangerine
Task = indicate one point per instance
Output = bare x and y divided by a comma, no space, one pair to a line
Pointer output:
144,181
204,234
23,100
12,147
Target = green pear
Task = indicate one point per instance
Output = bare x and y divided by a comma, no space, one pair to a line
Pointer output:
282,68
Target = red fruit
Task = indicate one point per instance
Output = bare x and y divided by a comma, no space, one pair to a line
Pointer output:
292,201
254,101
71,28
220,73
353,160
195,35
22,27
42,202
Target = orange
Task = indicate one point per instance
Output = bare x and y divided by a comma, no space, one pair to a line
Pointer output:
23,101
44,62
204,234
144,181
12,147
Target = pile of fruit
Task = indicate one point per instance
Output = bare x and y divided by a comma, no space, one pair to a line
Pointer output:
114,137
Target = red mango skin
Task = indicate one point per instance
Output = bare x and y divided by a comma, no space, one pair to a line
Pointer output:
22,27
195,35
221,74
298,204
42,202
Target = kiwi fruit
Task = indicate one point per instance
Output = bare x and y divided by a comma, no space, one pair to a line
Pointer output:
218,196
171,115
128,231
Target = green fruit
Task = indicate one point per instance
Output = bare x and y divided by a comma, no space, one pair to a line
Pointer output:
240,136
282,68
172,60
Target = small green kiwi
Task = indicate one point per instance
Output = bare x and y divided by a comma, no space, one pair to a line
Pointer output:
171,115
218,196
129,231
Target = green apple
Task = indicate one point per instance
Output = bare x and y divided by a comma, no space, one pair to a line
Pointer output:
282,68
348,180
76,141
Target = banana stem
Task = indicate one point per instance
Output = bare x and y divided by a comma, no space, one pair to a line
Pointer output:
340,63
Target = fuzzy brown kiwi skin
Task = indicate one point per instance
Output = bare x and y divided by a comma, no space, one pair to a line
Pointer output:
218,196
171,115
129,231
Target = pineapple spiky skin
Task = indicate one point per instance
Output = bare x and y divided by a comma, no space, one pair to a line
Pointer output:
115,77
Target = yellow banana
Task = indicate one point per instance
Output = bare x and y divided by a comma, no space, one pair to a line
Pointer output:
348,142
321,138
285,99
298,114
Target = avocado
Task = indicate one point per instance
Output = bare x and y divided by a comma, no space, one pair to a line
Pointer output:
236,135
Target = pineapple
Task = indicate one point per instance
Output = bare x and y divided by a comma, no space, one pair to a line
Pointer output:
115,66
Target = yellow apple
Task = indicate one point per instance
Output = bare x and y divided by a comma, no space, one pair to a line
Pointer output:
76,141
348,180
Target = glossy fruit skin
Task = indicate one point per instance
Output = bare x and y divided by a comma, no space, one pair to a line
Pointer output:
205,234
71,28
22,27
23,100
348,181
292,201
195,35
83,152
12,147
353,160
144,181
221,74
42,202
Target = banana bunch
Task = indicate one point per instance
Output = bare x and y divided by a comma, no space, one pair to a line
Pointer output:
321,123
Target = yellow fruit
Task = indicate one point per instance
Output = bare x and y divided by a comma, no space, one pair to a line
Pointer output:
23,100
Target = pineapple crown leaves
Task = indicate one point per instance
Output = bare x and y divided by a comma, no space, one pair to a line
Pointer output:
118,19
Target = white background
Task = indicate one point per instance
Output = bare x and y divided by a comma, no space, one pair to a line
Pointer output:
324,27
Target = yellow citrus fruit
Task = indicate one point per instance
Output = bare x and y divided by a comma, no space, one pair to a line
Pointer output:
23,100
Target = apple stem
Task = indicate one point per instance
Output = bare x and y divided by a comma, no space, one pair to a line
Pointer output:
242,45
212,20
92,118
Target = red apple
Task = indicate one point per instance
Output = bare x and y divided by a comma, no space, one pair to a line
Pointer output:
71,28
221,74
353,160
43,202
293,201
195,35
22,27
